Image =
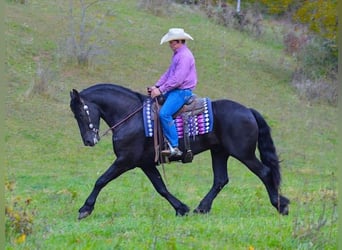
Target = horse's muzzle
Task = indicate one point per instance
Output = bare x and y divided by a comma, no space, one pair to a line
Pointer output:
91,140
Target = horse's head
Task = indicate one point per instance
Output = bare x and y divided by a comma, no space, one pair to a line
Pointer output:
87,117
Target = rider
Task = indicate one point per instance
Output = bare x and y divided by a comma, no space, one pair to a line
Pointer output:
176,85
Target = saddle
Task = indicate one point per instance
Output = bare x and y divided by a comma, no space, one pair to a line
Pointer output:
192,107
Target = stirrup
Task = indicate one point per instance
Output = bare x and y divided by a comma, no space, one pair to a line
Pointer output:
171,151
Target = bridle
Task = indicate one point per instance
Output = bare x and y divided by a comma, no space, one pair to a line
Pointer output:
90,124
96,130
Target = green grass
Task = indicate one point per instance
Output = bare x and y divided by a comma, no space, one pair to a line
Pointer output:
48,164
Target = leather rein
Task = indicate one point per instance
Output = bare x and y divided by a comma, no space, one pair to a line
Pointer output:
123,120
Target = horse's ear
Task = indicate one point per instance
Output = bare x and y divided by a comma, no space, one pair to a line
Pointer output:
74,94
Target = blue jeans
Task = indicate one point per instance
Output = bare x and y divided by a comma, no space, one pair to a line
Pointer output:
175,99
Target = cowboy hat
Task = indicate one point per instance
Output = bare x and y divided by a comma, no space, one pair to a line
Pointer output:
175,34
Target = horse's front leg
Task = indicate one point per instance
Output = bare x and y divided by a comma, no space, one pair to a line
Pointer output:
154,176
111,173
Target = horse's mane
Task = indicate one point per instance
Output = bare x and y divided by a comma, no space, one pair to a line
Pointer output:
110,87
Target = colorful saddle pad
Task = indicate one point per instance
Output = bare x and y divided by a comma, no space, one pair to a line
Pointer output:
198,124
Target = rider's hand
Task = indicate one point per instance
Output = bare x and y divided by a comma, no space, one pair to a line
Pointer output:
149,90
155,92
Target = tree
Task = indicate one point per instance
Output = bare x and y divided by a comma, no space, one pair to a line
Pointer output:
83,40
321,18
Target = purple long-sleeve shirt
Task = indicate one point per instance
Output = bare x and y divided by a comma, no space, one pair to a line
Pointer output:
182,72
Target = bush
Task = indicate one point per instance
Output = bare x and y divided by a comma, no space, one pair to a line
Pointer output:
156,7
18,216
319,90
317,59
318,219
294,41
316,75
18,1
248,20
83,43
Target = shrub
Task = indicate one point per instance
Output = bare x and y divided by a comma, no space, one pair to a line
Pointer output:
156,7
317,59
309,229
319,90
316,75
83,43
18,1
294,41
18,216
248,20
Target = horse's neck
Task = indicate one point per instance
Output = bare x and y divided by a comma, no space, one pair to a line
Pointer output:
118,109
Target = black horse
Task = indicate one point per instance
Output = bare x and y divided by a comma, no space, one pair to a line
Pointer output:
237,131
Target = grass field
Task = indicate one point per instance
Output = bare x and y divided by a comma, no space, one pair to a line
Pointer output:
49,173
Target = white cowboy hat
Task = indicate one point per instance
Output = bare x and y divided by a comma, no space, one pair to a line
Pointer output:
175,34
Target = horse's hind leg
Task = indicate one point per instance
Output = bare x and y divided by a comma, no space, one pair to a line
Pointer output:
265,174
219,164
154,176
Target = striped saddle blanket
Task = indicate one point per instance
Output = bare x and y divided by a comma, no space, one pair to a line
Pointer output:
197,115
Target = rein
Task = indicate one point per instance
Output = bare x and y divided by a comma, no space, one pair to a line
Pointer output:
123,120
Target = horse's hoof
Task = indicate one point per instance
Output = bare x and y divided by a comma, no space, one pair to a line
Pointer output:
83,215
200,211
284,210
183,211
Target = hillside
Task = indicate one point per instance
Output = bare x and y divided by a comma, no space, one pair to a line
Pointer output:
47,163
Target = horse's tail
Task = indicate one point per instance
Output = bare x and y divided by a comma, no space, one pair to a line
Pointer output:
267,150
